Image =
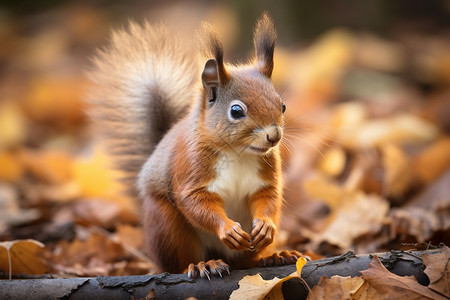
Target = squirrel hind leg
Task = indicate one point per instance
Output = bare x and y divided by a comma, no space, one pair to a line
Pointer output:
205,270
170,246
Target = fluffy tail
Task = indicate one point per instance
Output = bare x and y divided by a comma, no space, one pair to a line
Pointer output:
145,81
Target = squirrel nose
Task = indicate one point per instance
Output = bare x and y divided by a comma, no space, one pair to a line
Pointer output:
273,135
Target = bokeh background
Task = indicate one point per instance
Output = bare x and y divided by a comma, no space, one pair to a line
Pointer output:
367,147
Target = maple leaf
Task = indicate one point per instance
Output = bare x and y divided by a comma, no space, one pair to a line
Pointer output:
391,286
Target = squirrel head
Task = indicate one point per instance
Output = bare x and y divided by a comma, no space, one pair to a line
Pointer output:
241,109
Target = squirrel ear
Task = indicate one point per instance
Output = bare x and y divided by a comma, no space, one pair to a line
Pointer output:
210,75
264,39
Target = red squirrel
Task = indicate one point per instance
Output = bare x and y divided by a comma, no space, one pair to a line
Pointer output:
200,144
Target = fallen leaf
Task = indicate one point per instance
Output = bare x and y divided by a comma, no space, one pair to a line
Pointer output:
55,100
397,166
49,166
413,221
12,167
299,265
253,288
347,208
11,214
333,161
130,235
12,125
22,257
399,128
256,288
338,287
96,179
438,270
391,286
430,163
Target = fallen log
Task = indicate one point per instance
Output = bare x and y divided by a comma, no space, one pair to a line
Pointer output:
179,286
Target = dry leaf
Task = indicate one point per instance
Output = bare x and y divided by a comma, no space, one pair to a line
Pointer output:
397,166
55,100
413,221
438,270
391,286
433,161
333,161
400,128
96,179
22,257
10,212
49,166
338,287
253,288
12,125
130,235
347,209
256,288
12,167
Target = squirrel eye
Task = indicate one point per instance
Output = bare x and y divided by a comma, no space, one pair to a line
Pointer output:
284,108
237,112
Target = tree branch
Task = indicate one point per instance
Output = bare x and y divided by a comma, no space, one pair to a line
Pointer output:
179,286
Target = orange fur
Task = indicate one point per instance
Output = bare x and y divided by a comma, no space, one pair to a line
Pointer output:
199,170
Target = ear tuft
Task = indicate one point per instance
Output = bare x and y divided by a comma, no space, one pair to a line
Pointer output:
264,39
215,49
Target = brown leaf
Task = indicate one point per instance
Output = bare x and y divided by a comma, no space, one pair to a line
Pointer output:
338,287
51,166
391,286
347,209
397,165
12,167
11,214
438,270
433,161
22,257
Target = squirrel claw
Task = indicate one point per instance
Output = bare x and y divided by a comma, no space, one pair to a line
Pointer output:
214,267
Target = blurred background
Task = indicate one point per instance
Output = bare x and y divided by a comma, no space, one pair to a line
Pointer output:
366,149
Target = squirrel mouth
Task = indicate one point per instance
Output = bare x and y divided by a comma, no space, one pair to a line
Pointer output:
258,150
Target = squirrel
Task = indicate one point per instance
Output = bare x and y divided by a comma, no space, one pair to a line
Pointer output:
200,145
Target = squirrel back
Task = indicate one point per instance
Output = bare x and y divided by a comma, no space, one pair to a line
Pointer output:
143,80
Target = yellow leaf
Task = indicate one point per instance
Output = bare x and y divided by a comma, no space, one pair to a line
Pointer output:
11,167
333,161
299,264
256,288
96,179
12,125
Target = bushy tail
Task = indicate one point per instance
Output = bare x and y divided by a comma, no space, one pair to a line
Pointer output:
145,81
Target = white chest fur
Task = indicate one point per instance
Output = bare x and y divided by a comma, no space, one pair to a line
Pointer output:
237,178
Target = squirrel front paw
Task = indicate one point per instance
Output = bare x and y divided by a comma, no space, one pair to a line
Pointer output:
262,234
232,235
